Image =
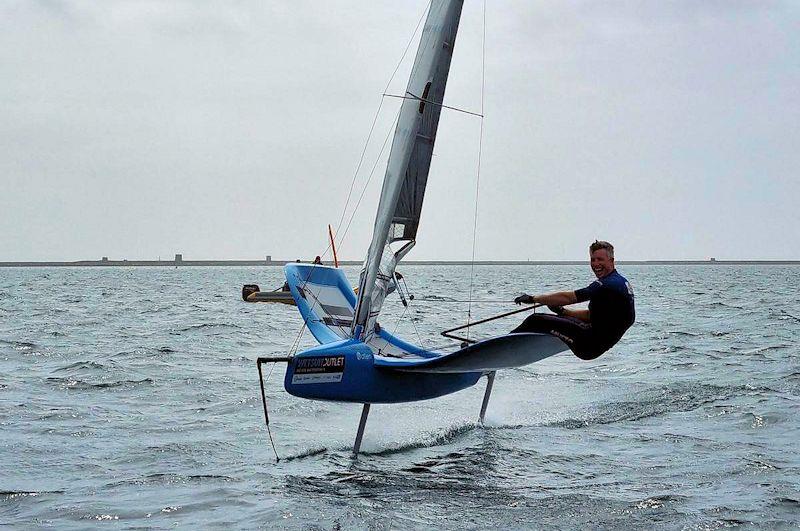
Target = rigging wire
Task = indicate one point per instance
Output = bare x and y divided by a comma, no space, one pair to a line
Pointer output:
394,331
384,95
407,304
410,96
372,128
478,172
419,336
296,342
423,43
369,178
476,301
478,176
341,237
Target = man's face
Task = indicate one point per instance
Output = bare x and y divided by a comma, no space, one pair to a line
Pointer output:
602,264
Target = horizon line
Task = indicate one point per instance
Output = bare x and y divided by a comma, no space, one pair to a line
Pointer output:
179,261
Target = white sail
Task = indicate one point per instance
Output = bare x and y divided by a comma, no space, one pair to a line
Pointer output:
403,189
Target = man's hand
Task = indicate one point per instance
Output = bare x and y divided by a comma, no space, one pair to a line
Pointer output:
558,310
524,299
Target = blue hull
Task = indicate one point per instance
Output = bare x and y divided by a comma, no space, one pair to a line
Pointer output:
344,371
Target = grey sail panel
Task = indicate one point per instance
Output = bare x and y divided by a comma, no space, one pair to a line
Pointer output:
427,82
409,162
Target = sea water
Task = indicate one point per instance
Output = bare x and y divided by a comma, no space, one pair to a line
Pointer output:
131,395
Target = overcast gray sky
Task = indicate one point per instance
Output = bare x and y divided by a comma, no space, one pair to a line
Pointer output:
138,129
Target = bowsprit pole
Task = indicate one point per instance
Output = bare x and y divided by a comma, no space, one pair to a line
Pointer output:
259,361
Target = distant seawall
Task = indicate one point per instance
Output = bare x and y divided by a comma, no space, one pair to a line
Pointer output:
279,263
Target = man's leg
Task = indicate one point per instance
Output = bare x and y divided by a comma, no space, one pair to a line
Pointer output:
543,323
575,333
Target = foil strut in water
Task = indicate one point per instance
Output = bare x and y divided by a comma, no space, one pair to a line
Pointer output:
259,361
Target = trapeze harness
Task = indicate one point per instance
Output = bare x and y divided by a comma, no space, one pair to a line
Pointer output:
611,311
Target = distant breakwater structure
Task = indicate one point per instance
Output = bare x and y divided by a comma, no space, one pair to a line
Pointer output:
178,261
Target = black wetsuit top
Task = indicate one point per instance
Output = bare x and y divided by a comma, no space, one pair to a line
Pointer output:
611,308
611,313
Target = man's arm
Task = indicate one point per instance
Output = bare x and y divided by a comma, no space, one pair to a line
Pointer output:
558,298
568,297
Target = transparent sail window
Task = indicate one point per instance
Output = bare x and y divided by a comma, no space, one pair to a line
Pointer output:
424,96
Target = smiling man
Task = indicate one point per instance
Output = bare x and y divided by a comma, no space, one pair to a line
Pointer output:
588,333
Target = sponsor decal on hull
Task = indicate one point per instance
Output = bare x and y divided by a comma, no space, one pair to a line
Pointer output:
318,369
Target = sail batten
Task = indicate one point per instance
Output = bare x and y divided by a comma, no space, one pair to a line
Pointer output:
406,177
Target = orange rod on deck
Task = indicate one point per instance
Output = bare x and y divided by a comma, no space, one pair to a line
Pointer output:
333,246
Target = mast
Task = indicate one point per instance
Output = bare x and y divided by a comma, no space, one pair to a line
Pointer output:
400,206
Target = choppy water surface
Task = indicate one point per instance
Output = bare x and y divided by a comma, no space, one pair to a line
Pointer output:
131,394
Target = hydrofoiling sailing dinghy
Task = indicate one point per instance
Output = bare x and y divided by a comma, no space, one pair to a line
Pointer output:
357,360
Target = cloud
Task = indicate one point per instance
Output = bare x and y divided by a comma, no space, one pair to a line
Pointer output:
232,129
